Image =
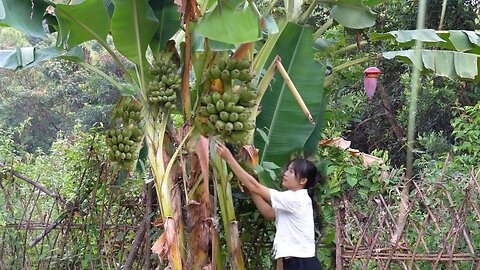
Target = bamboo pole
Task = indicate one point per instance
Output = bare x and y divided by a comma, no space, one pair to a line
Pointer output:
294,91
338,236
411,123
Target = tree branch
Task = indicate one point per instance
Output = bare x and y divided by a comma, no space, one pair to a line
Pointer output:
39,186
399,133
136,244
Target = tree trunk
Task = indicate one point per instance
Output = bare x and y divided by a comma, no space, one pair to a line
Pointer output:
198,218
168,198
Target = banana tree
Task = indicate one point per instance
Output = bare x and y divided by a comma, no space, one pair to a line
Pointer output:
149,35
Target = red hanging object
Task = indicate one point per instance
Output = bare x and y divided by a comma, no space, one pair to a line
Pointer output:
370,81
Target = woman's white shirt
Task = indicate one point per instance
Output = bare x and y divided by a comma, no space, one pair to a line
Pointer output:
295,236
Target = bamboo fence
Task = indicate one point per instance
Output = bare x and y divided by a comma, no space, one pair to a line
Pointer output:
437,233
46,231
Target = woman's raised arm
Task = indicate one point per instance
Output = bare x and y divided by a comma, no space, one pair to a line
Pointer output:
243,176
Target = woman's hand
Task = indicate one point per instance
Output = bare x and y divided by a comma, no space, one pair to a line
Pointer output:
224,153
245,178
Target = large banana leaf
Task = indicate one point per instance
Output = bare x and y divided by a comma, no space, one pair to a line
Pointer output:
79,23
230,25
2,10
353,17
133,26
24,15
354,14
450,64
459,40
311,145
23,58
169,18
287,129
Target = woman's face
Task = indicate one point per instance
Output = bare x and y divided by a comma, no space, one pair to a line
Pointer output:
290,181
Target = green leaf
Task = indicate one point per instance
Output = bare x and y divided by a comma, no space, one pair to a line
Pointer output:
23,58
460,40
330,169
127,90
133,26
351,180
425,35
79,23
199,41
265,177
270,165
229,25
405,56
444,63
283,121
324,45
353,17
350,170
359,3
473,37
169,19
24,16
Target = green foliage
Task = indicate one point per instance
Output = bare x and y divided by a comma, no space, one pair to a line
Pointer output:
344,173
467,135
74,167
443,63
54,97
256,234
25,16
133,26
7,149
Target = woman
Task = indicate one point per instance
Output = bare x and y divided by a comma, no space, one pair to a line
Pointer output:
291,209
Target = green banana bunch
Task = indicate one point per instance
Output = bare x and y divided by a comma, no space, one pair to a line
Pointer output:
228,69
227,115
124,142
162,90
130,112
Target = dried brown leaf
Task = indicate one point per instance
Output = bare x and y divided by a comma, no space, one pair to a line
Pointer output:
249,154
158,222
336,142
368,160
161,247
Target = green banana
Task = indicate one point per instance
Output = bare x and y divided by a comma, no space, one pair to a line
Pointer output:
220,105
224,116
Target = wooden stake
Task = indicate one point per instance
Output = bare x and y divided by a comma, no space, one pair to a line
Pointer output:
294,90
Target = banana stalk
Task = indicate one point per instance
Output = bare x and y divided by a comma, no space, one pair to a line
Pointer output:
227,211
155,135
202,228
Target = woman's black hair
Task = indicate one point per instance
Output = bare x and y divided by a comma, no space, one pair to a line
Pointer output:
304,168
